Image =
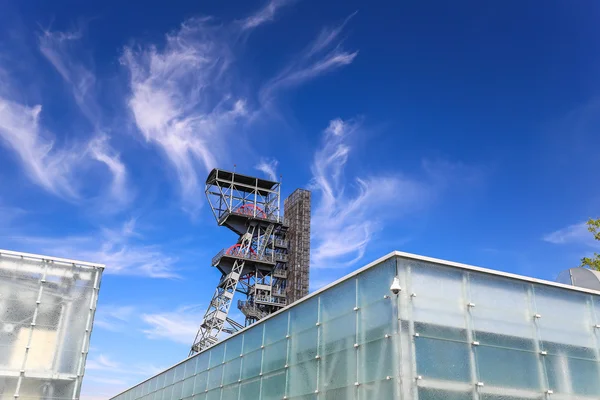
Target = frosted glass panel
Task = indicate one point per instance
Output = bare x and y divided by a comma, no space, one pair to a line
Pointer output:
442,359
377,390
215,375
344,393
188,387
375,283
251,364
498,366
565,317
213,395
338,300
303,346
572,375
169,375
179,372
376,320
233,347
276,328
177,389
273,386
338,334
275,356
250,390
217,355
230,392
253,339
200,382
374,362
232,371
303,316
501,306
303,378
436,394
338,369
439,295
190,367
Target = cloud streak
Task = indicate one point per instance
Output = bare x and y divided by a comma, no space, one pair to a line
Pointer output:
116,248
346,217
268,167
45,165
58,48
265,14
180,99
179,326
323,55
572,234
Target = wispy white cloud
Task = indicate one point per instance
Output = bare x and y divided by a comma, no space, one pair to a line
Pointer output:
114,317
179,326
63,51
265,14
106,376
113,247
268,167
572,234
58,48
101,362
105,363
343,224
180,99
47,166
101,151
323,55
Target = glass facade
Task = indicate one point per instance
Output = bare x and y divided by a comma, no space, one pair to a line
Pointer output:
453,332
46,311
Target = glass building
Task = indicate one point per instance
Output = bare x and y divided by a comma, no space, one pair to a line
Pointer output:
452,332
47,307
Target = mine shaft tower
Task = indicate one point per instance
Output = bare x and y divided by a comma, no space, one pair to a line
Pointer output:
256,265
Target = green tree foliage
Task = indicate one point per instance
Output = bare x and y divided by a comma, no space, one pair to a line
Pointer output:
593,263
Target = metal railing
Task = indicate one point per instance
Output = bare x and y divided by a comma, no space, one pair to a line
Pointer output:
280,273
271,218
281,257
249,309
270,300
248,256
281,243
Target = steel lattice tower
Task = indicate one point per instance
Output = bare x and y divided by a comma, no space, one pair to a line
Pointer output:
297,216
256,264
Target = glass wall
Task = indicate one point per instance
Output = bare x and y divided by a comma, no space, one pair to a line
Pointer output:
46,313
451,333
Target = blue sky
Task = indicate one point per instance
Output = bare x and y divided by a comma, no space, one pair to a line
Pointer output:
464,131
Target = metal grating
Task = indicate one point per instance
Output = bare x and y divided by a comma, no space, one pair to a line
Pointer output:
297,216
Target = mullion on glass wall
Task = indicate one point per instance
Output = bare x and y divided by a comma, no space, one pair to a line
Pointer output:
262,357
318,344
469,325
356,333
399,357
543,375
596,328
411,333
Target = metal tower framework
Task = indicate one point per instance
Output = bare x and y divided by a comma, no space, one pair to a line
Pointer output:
256,264
297,216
